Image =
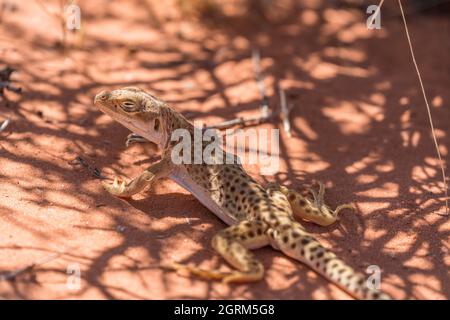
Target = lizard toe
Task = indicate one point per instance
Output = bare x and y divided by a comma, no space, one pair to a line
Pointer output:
118,188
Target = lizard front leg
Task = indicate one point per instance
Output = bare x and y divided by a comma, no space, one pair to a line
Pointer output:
233,244
315,210
156,171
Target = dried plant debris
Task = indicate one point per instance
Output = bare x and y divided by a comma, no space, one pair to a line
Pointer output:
12,275
284,112
256,58
4,124
265,114
6,82
243,122
95,172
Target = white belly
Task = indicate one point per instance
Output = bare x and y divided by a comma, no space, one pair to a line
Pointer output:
203,196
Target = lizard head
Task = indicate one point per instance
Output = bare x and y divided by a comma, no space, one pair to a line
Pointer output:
135,109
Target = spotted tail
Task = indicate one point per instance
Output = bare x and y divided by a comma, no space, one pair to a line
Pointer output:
296,243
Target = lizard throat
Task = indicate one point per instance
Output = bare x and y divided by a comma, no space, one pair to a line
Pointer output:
141,128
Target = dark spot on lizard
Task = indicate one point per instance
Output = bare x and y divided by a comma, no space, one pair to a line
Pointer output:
295,234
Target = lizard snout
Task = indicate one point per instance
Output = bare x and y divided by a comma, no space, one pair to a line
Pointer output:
102,96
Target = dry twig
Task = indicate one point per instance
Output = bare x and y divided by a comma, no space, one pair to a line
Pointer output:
284,115
11,275
241,121
441,162
256,57
58,16
4,124
265,115
92,170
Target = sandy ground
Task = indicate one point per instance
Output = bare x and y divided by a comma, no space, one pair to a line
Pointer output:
359,124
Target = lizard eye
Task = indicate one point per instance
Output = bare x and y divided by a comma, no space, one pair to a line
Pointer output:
128,106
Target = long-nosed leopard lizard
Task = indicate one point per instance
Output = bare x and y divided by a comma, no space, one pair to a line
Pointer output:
257,217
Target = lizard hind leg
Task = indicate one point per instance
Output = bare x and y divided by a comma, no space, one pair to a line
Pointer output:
314,210
234,244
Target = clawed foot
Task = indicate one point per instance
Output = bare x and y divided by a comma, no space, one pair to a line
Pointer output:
319,198
118,188
319,202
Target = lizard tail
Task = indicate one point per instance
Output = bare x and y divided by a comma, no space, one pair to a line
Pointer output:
296,243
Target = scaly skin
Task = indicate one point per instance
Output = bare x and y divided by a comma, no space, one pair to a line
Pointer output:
257,217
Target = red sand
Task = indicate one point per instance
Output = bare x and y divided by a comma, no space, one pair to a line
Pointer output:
359,124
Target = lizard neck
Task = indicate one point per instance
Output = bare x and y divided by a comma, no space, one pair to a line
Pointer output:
171,121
